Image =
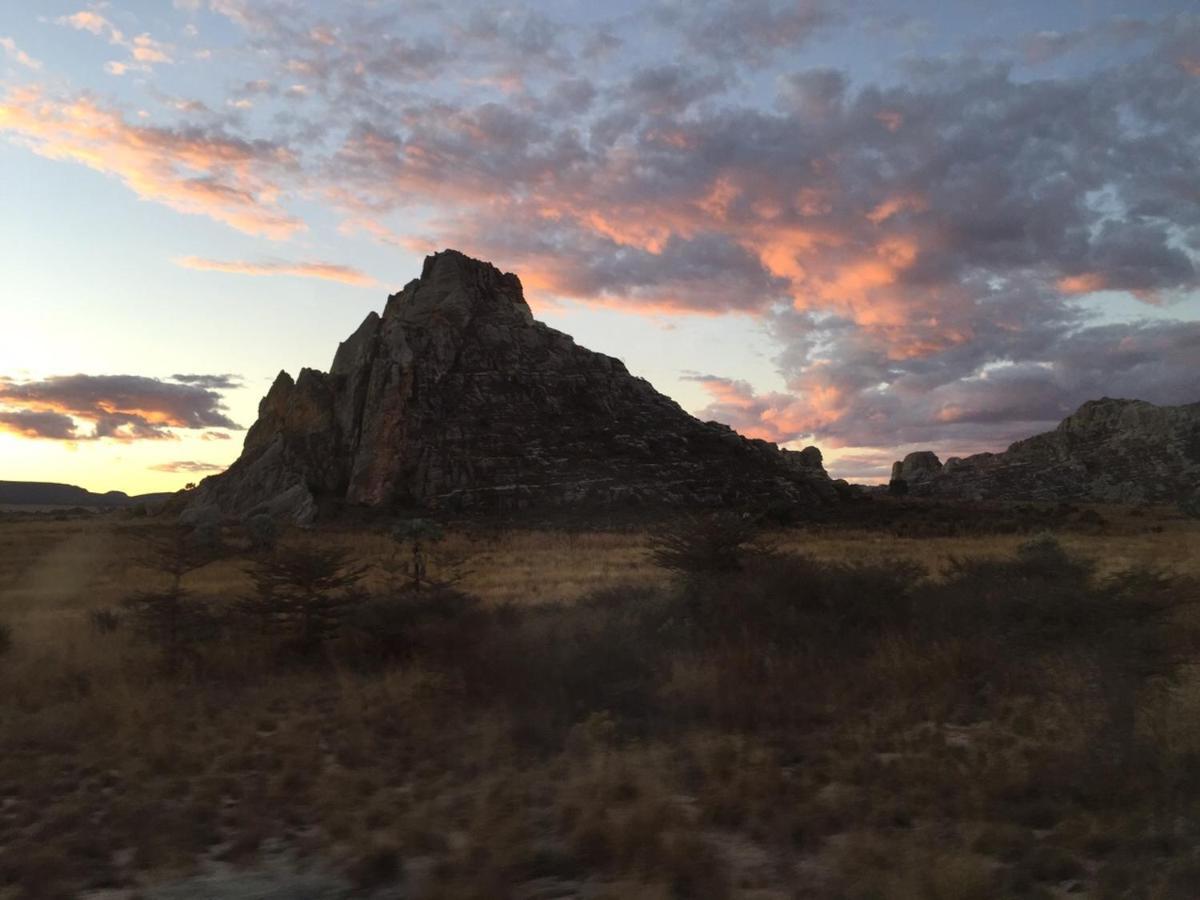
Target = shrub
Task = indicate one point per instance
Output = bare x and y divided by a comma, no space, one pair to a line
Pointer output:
104,621
416,533
304,593
174,620
557,665
263,533
789,601
171,617
1190,505
720,542
398,625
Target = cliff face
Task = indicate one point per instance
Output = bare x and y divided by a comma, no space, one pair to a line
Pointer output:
1108,451
456,398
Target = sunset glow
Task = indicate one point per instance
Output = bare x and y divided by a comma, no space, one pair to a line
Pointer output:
819,226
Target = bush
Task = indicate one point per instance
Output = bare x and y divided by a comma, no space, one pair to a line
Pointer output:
304,593
104,621
263,533
171,617
720,542
789,601
399,625
174,620
557,665
1190,505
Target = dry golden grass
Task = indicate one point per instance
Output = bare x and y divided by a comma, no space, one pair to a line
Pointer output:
883,780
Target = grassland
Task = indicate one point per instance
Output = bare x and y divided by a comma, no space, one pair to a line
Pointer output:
835,720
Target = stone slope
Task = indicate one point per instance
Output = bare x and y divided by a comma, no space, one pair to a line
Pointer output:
456,398
1108,451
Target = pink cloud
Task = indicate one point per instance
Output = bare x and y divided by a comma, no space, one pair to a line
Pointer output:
322,270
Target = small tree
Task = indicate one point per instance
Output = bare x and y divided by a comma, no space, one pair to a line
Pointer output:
171,616
417,533
305,592
715,543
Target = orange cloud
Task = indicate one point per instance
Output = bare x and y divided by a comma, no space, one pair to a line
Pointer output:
118,407
897,204
889,119
232,181
322,270
1082,284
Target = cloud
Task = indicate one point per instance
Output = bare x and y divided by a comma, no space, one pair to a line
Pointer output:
931,255
33,424
201,171
118,407
190,467
228,381
750,32
144,51
326,271
20,56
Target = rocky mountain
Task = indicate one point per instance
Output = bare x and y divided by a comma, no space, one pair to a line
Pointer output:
1108,451
455,398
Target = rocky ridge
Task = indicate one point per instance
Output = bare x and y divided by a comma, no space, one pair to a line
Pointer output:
1108,451
456,398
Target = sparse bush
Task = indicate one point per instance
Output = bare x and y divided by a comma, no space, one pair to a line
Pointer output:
171,617
104,621
397,625
263,533
174,620
557,664
304,593
791,601
417,533
696,545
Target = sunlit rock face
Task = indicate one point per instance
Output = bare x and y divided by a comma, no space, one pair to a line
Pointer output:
1108,451
457,399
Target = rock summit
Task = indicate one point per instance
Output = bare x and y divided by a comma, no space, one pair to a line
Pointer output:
457,399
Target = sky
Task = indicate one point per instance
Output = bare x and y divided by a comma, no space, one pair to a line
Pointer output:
872,225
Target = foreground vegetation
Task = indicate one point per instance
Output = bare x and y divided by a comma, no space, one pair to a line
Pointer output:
703,713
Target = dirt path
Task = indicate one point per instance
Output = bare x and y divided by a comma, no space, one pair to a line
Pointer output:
59,579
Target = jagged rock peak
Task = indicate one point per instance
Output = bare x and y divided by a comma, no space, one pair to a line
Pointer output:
1108,450
456,397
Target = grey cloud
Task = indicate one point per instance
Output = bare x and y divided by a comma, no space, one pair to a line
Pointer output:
228,381
124,407
30,423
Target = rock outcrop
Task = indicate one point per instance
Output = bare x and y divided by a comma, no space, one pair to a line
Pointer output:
1108,451
455,398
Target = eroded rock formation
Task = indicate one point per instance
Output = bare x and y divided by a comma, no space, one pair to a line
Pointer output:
456,398
1108,451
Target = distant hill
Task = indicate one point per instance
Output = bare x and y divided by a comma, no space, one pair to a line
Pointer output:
45,493
1108,451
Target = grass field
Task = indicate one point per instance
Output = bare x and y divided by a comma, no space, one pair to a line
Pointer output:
827,722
